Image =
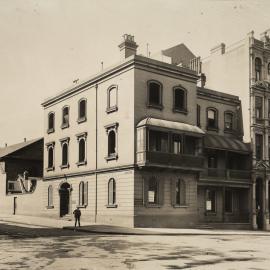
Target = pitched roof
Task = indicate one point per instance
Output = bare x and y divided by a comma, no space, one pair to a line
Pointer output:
15,147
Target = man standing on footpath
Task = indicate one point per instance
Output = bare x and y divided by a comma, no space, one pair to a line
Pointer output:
77,214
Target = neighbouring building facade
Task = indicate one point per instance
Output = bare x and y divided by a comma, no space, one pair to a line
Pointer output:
141,145
21,172
243,69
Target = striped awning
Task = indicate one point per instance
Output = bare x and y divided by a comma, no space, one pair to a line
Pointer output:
225,143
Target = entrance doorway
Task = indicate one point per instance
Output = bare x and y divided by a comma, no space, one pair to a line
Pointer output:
64,193
259,202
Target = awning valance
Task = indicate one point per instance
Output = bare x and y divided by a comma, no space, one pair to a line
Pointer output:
186,128
225,143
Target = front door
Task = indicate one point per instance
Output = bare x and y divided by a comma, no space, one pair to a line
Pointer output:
64,199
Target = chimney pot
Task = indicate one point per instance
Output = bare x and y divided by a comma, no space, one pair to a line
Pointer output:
24,139
128,46
219,49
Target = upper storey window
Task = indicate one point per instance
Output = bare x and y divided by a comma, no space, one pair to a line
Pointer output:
258,68
212,119
50,122
259,108
180,100
65,117
82,111
228,121
155,94
112,99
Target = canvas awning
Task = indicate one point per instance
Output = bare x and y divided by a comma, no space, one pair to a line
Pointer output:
225,143
183,127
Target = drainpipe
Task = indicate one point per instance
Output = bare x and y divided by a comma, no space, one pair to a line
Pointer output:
96,86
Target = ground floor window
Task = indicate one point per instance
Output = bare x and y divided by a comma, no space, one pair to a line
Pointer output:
111,192
153,191
210,200
228,201
50,196
180,192
83,194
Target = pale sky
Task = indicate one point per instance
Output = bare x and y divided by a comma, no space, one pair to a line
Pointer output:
47,44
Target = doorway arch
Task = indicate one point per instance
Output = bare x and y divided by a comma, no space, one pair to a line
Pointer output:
64,193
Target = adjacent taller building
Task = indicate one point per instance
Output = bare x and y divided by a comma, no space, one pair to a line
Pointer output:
243,69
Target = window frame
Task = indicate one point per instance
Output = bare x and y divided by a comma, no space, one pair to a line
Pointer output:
198,114
111,203
232,122
259,148
64,142
259,119
158,106
157,192
213,210
215,127
50,204
65,125
258,72
50,146
114,108
182,186
83,195
82,136
82,119
51,129
112,128
184,108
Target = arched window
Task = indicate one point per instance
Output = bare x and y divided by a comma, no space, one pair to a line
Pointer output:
258,68
82,111
65,154
155,94
50,196
212,120
180,99
111,192
268,69
51,122
180,192
65,117
228,121
50,157
82,150
111,143
81,193
153,191
112,99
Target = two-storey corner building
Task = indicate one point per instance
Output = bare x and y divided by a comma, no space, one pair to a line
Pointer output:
124,145
243,69
224,187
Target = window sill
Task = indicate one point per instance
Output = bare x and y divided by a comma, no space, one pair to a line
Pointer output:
209,213
51,130
212,129
50,169
111,157
81,120
153,206
180,206
155,106
82,206
112,205
50,207
81,163
179,110
64,126
230,131
112,109
64,166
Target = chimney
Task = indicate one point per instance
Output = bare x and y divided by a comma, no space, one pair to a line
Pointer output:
202,80
24,139
219,49
5,144
128,47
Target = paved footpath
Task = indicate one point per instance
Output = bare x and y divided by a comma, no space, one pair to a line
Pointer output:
42,222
